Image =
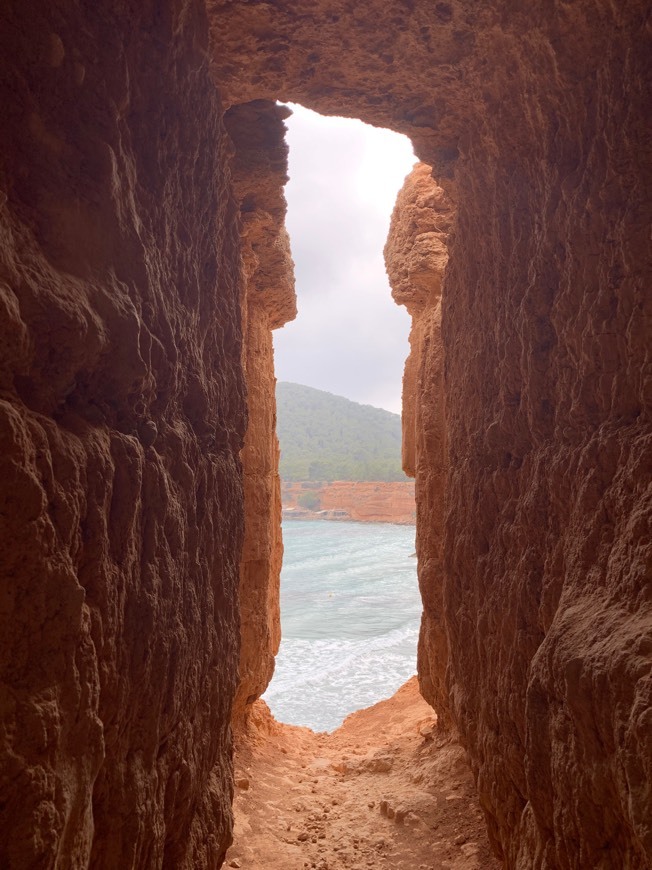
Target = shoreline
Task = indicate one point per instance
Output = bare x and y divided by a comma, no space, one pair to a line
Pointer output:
315,518
356,501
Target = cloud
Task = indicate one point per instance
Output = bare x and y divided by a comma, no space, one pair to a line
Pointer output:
349,337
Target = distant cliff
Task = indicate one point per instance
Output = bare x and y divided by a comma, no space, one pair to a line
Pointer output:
369,502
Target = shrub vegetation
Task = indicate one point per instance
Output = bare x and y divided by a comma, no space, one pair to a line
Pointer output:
325,437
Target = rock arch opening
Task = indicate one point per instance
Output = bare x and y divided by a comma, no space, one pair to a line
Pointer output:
482,95
122,404
340,217
344,798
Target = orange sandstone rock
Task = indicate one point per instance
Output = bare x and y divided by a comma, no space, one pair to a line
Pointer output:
122,407
121,420
366,502
534,119
268,301
416,254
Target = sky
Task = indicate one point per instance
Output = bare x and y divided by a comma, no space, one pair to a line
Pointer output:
349,338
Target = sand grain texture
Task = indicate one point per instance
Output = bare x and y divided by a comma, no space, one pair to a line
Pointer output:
385,790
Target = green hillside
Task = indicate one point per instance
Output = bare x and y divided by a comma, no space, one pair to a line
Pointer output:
326,437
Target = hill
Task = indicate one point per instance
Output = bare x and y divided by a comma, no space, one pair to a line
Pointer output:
326,437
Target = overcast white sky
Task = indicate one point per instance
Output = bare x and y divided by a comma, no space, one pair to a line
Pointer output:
349,337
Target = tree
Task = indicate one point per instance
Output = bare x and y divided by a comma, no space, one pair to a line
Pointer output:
309,500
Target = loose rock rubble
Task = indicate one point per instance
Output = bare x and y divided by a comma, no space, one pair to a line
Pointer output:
386,790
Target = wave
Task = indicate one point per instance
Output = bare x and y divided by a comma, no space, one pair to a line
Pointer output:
351,615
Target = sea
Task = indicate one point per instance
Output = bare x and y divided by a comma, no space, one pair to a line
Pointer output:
350,615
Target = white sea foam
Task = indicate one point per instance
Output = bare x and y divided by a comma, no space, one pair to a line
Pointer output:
350,611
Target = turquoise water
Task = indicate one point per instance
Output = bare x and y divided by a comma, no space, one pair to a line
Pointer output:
350,614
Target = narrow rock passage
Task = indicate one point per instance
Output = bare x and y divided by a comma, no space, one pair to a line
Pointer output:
384,790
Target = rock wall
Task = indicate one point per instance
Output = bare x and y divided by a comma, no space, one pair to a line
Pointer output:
549,511
535,121
123,413
416,254
259,174
363,501
121,421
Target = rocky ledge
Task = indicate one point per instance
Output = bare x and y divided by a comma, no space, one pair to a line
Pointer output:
360,501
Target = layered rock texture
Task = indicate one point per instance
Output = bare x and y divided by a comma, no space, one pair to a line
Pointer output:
416,254
364,502
268,302
125,293
534,119
535,123
122,414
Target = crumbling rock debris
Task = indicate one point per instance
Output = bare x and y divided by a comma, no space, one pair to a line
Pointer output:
337,820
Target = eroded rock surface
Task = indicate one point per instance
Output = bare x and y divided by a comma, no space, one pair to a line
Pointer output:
416,254
123,408
362,501
535,121
121,421
259,171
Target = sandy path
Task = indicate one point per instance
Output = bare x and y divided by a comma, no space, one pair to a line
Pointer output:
384,791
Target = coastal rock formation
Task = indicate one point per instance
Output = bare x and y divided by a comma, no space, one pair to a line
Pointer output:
122,414
122,406
364,502
259,171
416,254
535,122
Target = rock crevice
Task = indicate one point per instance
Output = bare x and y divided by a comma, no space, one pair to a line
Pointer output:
142,265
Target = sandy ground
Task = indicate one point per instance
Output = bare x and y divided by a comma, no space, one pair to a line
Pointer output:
384,790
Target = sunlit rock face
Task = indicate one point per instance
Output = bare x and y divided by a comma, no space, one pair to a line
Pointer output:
416,254
121,421
259,171
372,501
534,119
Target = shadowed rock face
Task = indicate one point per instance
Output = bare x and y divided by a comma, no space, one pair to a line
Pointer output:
121,421
122,408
